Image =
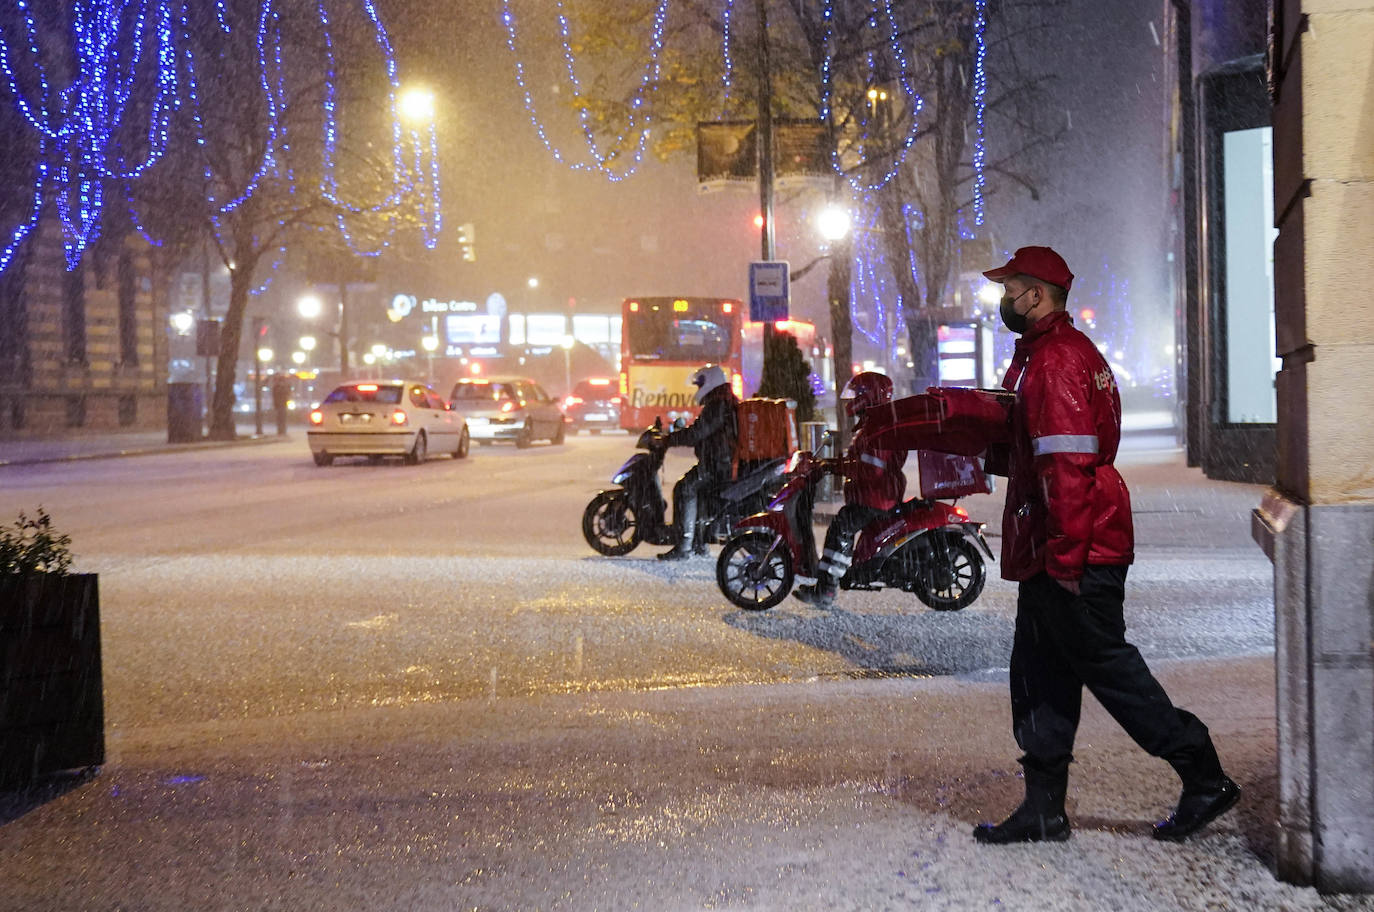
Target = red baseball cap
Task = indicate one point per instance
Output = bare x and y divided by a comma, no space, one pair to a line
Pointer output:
1038,262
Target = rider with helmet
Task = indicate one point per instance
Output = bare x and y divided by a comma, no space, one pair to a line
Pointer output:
712,437
873,485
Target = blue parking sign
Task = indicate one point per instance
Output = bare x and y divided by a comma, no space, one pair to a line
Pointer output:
768,291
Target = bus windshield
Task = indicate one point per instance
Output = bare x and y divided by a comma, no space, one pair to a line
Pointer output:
659,334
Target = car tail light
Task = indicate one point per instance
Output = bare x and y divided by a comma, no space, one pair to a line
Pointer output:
367,387
615,400
317,417
508,406
960,512
398,417
571,401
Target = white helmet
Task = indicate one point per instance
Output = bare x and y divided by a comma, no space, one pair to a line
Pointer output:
707,379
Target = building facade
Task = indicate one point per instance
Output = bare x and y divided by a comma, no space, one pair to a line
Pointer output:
82,349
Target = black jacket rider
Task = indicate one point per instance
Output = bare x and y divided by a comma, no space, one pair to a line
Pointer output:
712,436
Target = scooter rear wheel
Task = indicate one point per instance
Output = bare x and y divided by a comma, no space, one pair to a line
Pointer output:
609,524
750,576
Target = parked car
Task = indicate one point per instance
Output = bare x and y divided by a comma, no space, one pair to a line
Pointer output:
509,408
593,404
378,418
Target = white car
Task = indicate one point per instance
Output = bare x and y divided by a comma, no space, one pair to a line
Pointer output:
509,408
377,418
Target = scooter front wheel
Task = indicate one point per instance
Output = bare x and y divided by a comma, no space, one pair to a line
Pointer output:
752,573
609,524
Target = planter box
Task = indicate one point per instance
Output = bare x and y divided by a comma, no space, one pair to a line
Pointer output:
52,708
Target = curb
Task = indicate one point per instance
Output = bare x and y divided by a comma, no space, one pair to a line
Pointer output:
152,450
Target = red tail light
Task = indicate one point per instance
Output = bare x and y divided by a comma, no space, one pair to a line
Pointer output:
317,417
367,387
508,406
960,512
571,401
398,417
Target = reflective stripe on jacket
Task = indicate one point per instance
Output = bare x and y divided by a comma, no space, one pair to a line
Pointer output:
1067,506
873,474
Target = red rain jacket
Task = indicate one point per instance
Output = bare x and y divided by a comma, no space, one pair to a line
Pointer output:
1067,506
873,472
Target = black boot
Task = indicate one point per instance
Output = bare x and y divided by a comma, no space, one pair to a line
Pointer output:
821,595
686,520
1207,794
1040,818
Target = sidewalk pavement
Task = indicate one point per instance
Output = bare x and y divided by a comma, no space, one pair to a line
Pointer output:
16,451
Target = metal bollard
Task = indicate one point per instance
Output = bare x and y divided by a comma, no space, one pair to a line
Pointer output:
812,434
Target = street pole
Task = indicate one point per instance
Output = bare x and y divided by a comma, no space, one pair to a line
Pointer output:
257,376
765,144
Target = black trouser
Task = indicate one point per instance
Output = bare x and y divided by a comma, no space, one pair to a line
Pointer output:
839,538
1064,643
693,490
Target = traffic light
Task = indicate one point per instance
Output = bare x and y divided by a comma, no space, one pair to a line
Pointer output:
467,242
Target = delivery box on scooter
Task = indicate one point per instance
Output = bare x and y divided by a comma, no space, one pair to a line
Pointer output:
945,476
767,429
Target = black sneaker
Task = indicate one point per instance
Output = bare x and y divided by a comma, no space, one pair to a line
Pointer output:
1197,808
678,553
1024,825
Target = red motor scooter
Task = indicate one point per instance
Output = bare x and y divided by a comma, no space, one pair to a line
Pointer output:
925,547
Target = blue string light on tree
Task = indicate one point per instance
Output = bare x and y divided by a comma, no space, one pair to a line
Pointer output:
119,48
638,119
903,68
727,78
980,105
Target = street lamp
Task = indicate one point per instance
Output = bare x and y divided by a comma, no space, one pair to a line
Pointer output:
298,358
416,105
833,222
567,345
310,306
307,343
430,343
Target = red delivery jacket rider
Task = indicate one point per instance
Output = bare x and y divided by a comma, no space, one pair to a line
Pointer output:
1067,506
873,473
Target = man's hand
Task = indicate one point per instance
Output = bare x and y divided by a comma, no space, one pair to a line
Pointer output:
1070,585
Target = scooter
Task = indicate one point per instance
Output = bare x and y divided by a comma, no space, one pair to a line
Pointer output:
618,519
925,547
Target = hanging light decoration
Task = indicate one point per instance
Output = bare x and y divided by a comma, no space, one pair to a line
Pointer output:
914,101
118,48
603,161
980,106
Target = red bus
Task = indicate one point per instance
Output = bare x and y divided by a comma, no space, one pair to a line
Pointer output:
663,340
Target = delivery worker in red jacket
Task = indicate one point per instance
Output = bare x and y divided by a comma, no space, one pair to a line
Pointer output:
1067,541
873,485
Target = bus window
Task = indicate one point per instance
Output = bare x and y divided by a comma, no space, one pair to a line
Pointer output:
662,336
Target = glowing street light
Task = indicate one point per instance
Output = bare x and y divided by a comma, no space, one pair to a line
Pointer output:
310,306
833,222
182,322
307,343
416,105
265,354
532,282
298,357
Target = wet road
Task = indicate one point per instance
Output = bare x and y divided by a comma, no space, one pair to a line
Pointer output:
245,583
416,688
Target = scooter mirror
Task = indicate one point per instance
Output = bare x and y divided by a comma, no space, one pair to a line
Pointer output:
679,423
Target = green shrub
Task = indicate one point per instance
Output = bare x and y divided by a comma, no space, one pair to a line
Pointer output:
787,374
31,546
